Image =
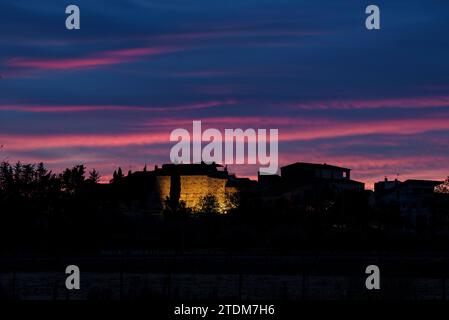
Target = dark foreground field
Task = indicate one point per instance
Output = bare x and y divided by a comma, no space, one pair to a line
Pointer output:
221,276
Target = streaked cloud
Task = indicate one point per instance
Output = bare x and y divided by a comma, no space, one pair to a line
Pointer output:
409,103
87,108
96,60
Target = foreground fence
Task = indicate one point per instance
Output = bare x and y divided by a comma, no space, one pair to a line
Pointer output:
190,286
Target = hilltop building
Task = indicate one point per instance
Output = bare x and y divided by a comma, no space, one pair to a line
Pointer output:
301,173
414,199
189,183
302,184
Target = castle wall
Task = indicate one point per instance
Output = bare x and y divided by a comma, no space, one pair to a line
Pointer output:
163,188
194,188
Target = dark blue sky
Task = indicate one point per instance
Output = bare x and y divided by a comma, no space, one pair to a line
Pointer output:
110,93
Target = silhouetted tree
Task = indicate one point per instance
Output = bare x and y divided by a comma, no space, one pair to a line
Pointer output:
6,177
73,179
176,208
114,177
17,172
94,176
232,201
209,205
117,177
41,171
443,188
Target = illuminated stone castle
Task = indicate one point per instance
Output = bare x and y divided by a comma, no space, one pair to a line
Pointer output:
192,183
189,183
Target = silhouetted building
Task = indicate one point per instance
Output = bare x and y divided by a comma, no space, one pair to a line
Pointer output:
306,185
382,187
266,180
301,173
191,183
412,198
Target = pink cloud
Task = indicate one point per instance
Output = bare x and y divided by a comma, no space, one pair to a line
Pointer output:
294,129
87,108
367,168
419,102
289,130
90,61
37,142
325,128
242,122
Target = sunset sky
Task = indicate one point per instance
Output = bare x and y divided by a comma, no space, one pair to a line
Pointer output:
109,94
